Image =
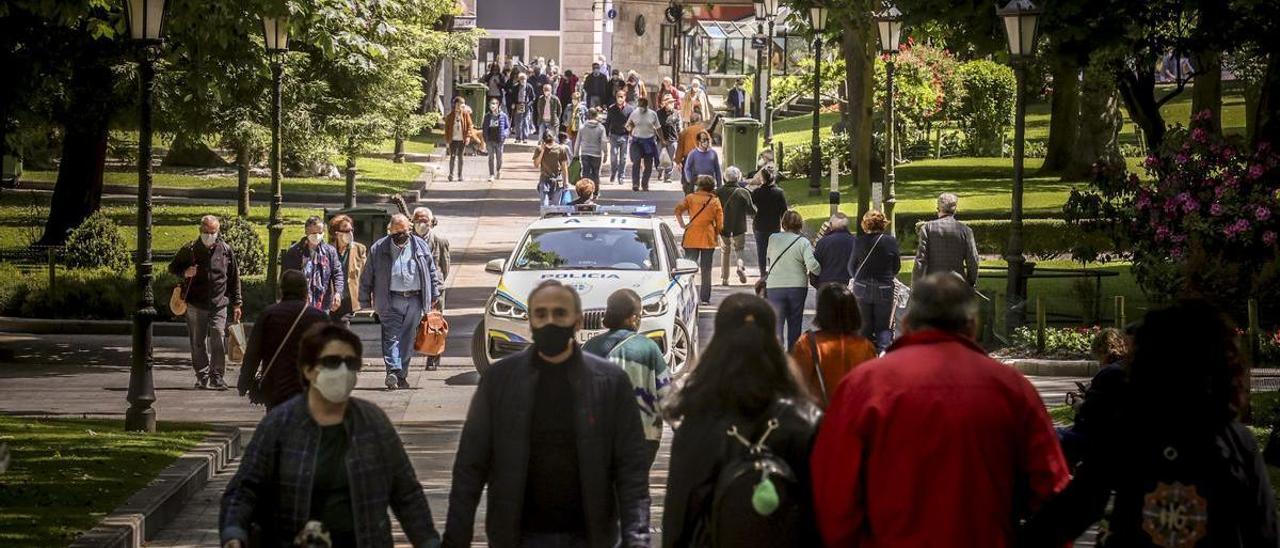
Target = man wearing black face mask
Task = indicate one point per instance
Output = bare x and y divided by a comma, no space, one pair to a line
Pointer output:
556,436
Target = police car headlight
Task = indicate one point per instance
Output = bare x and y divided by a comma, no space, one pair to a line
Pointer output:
657,307
504,308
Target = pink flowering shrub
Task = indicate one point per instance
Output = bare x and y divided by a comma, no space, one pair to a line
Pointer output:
1206,223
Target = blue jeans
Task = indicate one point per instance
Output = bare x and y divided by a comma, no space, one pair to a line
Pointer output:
788,302
591,168
617,157
495,156
639,155
399,327
875,303
548,127
520,122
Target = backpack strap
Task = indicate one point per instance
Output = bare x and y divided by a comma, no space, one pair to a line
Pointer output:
283,342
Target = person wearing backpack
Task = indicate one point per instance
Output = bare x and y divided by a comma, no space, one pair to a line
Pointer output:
1176,467
935,443
825,356
273,345
740,412
640,357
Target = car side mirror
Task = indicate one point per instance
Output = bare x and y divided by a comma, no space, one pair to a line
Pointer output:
495,266
684,266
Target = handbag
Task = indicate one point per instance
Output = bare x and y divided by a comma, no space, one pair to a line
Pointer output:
433,331
255,387
695,216
761,287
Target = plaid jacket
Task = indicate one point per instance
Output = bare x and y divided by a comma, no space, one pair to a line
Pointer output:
273,485
946,245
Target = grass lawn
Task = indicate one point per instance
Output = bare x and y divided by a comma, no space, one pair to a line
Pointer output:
424,143
22,219
373,175
67,474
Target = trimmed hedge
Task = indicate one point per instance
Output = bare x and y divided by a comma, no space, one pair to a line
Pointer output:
99,294
1041,238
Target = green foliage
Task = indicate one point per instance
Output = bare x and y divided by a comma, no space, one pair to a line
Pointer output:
96,243
67,473
986,112
239,233
800,83
924,92
1059,342
796,159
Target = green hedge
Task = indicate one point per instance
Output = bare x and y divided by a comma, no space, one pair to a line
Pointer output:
1041,238
99,294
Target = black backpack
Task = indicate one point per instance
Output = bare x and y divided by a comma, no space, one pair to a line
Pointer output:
756,499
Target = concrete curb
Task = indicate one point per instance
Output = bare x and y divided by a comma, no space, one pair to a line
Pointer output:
40,326
410,196
147,512
1054,368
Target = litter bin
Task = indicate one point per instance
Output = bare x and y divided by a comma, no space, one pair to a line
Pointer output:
473,93
11,171
741,142
369,222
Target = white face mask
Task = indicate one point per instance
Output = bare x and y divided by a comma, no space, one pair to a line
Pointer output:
315,239
208,239
422,228
335,385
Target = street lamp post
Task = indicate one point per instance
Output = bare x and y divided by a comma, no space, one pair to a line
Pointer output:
818,22
889,25
760,61
146,22
275,30
770,8
1020,18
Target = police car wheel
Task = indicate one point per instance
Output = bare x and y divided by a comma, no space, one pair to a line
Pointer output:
479,354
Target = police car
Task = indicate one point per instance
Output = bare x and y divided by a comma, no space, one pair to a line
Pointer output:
596,250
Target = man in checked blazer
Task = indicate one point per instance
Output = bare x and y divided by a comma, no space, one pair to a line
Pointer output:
946,245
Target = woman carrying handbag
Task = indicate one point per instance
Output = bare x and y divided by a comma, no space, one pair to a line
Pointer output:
273,345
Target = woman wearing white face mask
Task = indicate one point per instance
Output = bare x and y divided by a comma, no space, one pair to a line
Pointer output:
319,261
352,256
347,464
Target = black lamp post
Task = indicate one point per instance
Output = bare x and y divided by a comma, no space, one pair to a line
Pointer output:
889,25
275,30
146,23
817,22
769,9
760,61
1020,18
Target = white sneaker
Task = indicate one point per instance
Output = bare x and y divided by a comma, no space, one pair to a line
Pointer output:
491,178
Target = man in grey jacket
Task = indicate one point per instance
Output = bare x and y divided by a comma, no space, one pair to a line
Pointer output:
399,281
946,245
590,145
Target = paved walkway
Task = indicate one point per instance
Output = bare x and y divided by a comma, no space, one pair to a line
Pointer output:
88,375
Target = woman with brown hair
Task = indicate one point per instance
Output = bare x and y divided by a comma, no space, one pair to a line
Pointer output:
873,265
352,255
586,190
701,229
826,355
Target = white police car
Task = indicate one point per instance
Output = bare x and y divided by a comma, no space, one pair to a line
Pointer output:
596,252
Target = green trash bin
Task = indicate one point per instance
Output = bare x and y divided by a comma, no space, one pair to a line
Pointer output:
369,222
473,93
741,141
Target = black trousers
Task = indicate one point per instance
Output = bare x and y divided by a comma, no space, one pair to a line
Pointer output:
704,258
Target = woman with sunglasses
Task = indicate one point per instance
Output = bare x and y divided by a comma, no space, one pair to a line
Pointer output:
326,457
353,255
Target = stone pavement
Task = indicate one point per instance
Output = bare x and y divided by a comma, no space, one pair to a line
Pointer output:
88,375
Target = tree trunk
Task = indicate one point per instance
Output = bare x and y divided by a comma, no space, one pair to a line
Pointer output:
78,190
242,181
859,73
1267,120
1207,93
1098,138
1064,118
430,73
398,156
1138,91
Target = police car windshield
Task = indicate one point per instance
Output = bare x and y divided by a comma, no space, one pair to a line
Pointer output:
588,248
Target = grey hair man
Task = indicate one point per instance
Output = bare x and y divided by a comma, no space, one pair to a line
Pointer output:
946,244
399,281
320,263
210,283
738,205
424,224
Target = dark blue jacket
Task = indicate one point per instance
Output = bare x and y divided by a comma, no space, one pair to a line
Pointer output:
833,252
504,126
375,279
883,264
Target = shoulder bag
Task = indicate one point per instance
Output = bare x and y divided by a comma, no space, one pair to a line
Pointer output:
695,216
761,287
817,364
255,388
854,279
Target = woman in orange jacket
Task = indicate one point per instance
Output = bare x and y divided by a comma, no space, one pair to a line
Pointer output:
825,356
701,230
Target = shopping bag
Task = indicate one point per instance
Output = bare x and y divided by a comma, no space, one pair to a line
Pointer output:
664,160
236,342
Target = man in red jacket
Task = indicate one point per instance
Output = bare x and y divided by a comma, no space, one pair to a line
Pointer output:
935,444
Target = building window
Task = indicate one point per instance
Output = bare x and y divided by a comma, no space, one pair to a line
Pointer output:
666,44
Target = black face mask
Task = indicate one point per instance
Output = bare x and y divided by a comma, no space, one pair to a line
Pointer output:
400,238
552,339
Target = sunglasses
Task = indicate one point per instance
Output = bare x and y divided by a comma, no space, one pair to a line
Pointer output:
333,362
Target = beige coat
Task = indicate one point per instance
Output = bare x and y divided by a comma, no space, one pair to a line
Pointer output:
355,264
